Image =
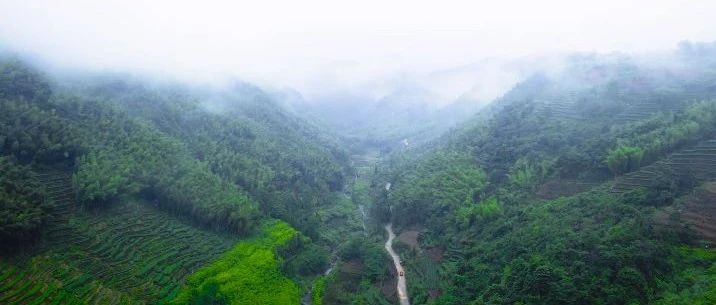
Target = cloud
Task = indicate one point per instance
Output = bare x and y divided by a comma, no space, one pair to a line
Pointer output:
321,46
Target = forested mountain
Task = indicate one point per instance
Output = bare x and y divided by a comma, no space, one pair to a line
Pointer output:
278,159
186,159
288,166
590,182
518,207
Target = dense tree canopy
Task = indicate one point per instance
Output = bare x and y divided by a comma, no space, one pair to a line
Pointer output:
232,160
287,165
24,204
500,244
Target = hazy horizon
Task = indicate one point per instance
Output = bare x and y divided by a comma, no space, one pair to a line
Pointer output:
322,48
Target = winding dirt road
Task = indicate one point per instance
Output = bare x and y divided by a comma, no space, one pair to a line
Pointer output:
402,291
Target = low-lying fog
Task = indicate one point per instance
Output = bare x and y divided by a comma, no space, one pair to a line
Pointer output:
365,54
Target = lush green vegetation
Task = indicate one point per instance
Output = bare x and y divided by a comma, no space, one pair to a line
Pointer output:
18,80
123,156
557,254
30,130
319,288
363,267
147,192
653,138
98,146
488,239
696,280
249,273
360,273
285,164
128,157
127,253
454,183
624,159
127,138
24,204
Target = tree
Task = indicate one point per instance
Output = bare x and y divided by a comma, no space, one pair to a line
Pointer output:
624,159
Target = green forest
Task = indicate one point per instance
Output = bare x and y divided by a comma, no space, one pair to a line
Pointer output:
591,186
575,204
72,151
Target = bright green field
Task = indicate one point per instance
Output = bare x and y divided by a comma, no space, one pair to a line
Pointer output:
247,274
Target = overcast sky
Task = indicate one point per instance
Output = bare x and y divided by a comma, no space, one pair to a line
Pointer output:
310,45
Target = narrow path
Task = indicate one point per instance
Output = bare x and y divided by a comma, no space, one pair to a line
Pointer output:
402,291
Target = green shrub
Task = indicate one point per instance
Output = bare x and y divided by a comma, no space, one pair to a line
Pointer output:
319,286
312,259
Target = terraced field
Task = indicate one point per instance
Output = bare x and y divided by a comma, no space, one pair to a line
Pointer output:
699,212
696,211
641,110
365,163
128,253
569,107
561,107
556,188
59,188
698,162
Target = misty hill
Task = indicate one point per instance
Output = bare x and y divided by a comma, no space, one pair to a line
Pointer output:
364,153
241,135
414,111
589,181
519,202
96,163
